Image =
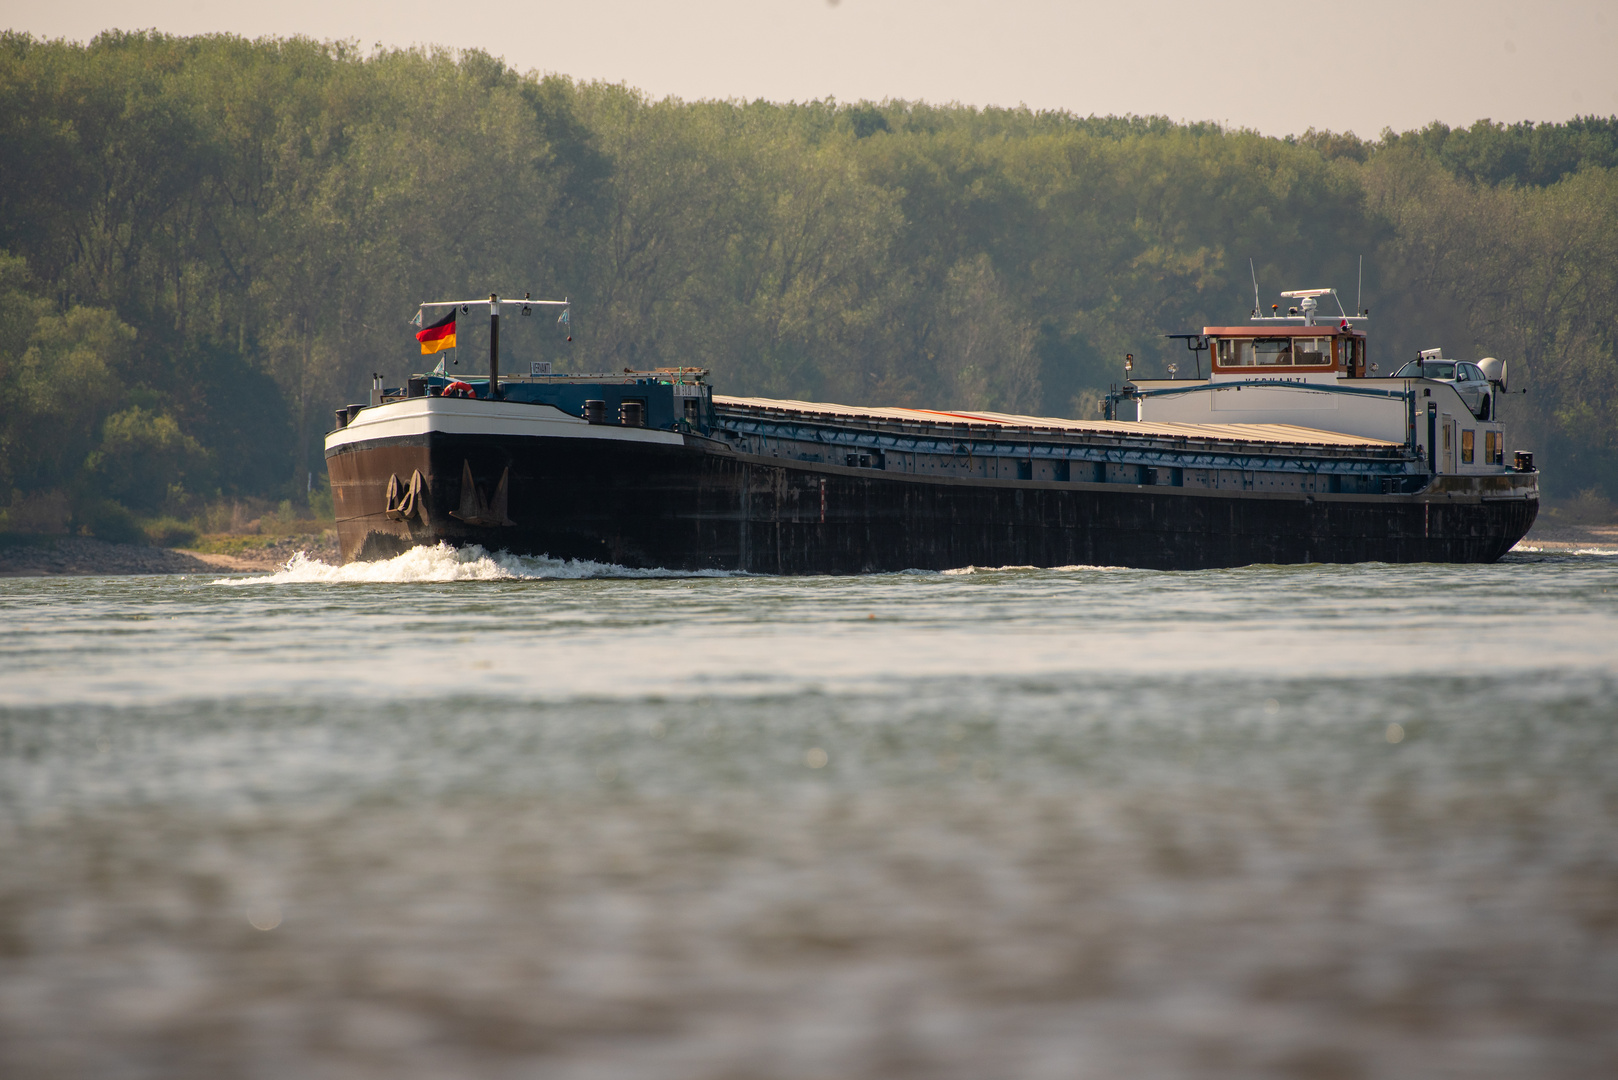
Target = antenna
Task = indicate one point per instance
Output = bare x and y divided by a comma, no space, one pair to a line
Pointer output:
1359,290
1254,272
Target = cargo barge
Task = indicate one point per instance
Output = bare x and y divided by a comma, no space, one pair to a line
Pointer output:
1290,450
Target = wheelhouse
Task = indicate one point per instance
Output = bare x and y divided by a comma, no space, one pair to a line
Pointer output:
1310,369
1257,351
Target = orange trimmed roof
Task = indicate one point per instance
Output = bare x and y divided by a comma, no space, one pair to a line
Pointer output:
1320,329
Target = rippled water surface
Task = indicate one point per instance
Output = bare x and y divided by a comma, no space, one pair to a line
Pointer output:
468,815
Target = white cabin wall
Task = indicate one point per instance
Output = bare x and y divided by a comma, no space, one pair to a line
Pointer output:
1387,419
1371,418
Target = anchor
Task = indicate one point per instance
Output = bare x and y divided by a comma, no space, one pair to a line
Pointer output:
474,510
403,501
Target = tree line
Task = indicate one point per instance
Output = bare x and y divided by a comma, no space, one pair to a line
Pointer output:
208,243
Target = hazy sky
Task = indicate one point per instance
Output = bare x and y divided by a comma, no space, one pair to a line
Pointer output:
1277,67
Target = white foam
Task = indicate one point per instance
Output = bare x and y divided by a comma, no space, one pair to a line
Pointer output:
444,562
961,571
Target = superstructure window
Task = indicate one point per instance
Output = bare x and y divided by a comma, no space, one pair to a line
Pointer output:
1467,444
1272,352
1311,350
1348,351
1256,352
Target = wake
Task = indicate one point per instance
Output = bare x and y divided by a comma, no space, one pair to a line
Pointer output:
444,562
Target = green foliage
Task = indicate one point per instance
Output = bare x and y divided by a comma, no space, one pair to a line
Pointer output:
290,518
283,519
866,120
60,376
321,504
144,459
106,520
37,513
215,241
1524,153
1528,274
1588,507
170,532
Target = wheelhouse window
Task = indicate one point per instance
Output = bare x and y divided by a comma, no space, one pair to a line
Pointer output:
1348,352
1311,351
1272,352
1256,352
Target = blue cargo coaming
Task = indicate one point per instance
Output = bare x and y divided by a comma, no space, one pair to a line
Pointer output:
1095,448
1396,461
570,392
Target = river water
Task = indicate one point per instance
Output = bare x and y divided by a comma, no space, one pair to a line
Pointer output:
467,815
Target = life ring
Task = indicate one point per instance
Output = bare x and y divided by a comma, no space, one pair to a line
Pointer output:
459,389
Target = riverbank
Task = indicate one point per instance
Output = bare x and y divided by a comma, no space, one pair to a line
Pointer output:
54,556
80,555
1555,536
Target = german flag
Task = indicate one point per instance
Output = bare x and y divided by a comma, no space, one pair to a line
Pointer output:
440,335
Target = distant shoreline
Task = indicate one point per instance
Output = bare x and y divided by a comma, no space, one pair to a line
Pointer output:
1554,536
80,556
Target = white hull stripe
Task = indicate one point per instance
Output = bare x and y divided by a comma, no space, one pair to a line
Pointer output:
462,416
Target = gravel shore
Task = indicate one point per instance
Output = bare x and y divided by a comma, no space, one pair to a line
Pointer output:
81,555
53,556
1550,535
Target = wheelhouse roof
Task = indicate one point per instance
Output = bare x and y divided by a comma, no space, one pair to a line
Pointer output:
1324,328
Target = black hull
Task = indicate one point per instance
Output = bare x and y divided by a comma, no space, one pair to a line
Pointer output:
701,506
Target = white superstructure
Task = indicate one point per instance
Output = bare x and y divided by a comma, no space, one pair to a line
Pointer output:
1311,372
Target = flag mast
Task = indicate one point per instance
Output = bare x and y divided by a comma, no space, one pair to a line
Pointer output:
494,303
494,347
